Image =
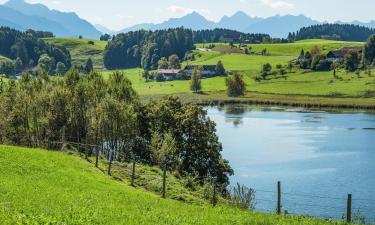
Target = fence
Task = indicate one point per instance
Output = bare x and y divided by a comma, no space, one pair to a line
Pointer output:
344,207
343,211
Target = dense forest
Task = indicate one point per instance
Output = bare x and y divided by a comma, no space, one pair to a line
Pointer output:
218,35
145,48
27,49
342,32
107,118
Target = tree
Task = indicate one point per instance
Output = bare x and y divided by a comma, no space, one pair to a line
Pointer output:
315,50
220,70
235,85
89,67
60,69
195,82
370,49
7,67
105,37
163,64
146,75
351,61
46,63
165,150
266,68
174,62
19,65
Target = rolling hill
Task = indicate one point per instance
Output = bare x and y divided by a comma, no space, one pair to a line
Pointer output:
44,187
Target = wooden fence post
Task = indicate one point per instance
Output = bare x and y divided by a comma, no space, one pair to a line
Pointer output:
278,208
349,209
164,178
133,172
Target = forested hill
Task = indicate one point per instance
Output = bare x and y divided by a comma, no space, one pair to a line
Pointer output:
145,48
26,49
343,32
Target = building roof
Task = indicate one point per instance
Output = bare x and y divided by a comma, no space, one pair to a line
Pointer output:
169,72
345,50
203,67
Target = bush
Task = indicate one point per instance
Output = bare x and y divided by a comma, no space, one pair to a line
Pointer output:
242,197
235,86
159,77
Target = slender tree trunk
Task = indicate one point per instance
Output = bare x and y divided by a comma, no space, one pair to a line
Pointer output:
97,157
133,172
164,179
110,163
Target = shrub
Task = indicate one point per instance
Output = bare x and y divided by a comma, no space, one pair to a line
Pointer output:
235,85
242,197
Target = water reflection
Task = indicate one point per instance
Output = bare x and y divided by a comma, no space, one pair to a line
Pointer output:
318,153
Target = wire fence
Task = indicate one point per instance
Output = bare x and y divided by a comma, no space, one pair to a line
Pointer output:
359,210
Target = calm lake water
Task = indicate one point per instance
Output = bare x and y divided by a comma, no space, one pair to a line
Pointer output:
319,157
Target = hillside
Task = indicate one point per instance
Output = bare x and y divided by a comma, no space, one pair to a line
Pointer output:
81,50
21,15
42,187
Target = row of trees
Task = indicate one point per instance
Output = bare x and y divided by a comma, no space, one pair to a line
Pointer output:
343,32
107,116
27,50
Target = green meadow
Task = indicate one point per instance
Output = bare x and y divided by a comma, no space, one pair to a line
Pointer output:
81,50
45,187
349,88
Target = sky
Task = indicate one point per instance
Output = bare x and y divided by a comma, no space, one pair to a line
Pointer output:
119,14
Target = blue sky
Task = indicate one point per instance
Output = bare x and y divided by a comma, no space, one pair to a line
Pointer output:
117,14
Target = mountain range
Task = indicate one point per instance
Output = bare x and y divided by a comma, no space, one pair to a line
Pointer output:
21,15
276,26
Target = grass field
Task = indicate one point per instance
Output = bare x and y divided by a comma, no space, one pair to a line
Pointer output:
350,87
42,187
293,49
80,50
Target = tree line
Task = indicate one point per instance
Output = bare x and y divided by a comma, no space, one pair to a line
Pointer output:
27,50
342,32
145,48
108,116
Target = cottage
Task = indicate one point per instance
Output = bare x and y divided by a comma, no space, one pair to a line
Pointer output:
340,54
170,74
206,70
230,39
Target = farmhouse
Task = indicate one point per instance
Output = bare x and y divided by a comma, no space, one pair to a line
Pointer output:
230,39
206,70
171,74
340,54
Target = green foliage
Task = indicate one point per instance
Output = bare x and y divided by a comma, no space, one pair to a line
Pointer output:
145,48
370,49
15,44
242,197
220,70
344,32
7,66
60,69
89,67
351,61
105,37
163,64
174,62
46,63
235,85
195,81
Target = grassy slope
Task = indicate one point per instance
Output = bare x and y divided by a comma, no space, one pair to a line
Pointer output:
80,50
37,187
293,49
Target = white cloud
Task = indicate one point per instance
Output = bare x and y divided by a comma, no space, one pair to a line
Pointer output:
277,4
183,10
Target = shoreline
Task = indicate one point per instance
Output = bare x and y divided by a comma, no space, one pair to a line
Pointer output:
254,98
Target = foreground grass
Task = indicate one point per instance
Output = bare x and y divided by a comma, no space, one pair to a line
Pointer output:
41,187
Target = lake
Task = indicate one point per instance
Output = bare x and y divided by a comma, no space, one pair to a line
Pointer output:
319,157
